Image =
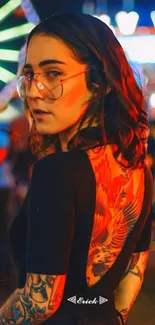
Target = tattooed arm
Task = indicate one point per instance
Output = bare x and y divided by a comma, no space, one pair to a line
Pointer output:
36,302
131,283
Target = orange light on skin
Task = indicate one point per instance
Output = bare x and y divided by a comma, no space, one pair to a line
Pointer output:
149,161
3,154
57,293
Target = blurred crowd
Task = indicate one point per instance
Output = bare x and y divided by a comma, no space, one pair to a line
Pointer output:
16,163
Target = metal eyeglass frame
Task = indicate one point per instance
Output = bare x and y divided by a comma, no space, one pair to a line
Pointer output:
40,86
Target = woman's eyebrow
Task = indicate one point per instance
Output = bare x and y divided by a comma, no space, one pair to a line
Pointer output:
43,63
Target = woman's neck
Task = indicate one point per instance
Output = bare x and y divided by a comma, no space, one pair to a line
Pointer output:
68,134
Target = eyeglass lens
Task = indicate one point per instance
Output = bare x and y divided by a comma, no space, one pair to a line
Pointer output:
49,86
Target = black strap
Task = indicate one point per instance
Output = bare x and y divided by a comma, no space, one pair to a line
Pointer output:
134,235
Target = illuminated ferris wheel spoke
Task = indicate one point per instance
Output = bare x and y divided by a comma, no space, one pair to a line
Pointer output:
7,9
16,32
6,75
9,55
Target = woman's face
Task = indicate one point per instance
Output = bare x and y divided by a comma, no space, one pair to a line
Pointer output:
64,112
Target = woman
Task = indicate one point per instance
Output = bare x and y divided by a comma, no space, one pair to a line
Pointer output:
77,250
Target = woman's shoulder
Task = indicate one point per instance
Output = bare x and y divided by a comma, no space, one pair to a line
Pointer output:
61,157
63,163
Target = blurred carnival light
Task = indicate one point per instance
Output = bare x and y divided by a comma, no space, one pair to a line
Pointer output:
9,113
127,22
11,6
9,55
88,7
16,32
152,100
7,9
6,75
153,16
139,48
107,20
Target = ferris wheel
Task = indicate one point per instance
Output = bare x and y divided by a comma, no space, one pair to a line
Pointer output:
7,77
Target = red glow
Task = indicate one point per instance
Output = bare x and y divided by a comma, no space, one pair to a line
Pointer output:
3,154
19,12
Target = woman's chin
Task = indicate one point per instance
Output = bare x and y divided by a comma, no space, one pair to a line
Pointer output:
43,130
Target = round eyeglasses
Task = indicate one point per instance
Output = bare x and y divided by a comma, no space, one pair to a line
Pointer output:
49,85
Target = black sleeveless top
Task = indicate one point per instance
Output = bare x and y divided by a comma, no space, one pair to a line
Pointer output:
64,183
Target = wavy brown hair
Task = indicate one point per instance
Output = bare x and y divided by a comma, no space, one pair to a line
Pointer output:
117,103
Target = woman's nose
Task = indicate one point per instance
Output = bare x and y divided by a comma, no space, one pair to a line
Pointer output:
33,90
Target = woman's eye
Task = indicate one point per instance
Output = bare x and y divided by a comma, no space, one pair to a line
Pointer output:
53,73
29,74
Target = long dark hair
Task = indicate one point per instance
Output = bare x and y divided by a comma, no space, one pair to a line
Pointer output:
117,103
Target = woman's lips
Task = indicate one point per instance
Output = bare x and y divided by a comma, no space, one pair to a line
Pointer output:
38,113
